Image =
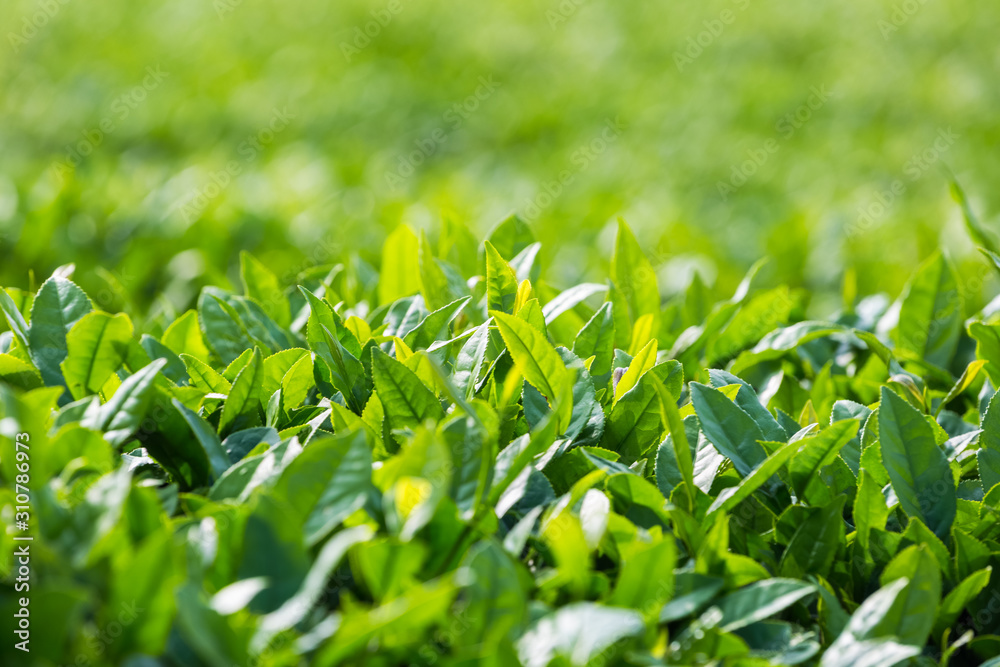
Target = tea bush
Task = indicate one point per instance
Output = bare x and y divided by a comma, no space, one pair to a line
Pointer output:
449,460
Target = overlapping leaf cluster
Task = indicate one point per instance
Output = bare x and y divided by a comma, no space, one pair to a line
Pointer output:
450,461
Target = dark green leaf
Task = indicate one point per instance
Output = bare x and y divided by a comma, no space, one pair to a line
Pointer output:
917,467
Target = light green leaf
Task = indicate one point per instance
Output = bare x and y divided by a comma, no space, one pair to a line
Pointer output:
579,632
204,376
870,638
58,305
261,285
497,601
570,298
296,383
968,377
405,399
642,362
912,618
870,510
322,315
731,497
956,601
327,482
635,424
410,615
96,347
511,236
220,326
400,274
346,371
501,283
19,373
205,631
277,366
472,450
541,364
15,320
433,281
646,580
469,362
518,454
761,600
634,276
125,410
979,234
680,445
597,339
761,314
435,325
930,318
987,338
818,451
242,407
779,342
183,336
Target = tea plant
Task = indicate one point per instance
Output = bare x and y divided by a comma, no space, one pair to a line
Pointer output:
451,461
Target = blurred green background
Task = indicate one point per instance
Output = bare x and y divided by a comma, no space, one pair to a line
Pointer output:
149,142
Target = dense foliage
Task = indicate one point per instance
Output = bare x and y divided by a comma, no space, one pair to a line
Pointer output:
451,461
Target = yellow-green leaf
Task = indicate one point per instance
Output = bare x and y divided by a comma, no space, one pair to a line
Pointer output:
96,347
